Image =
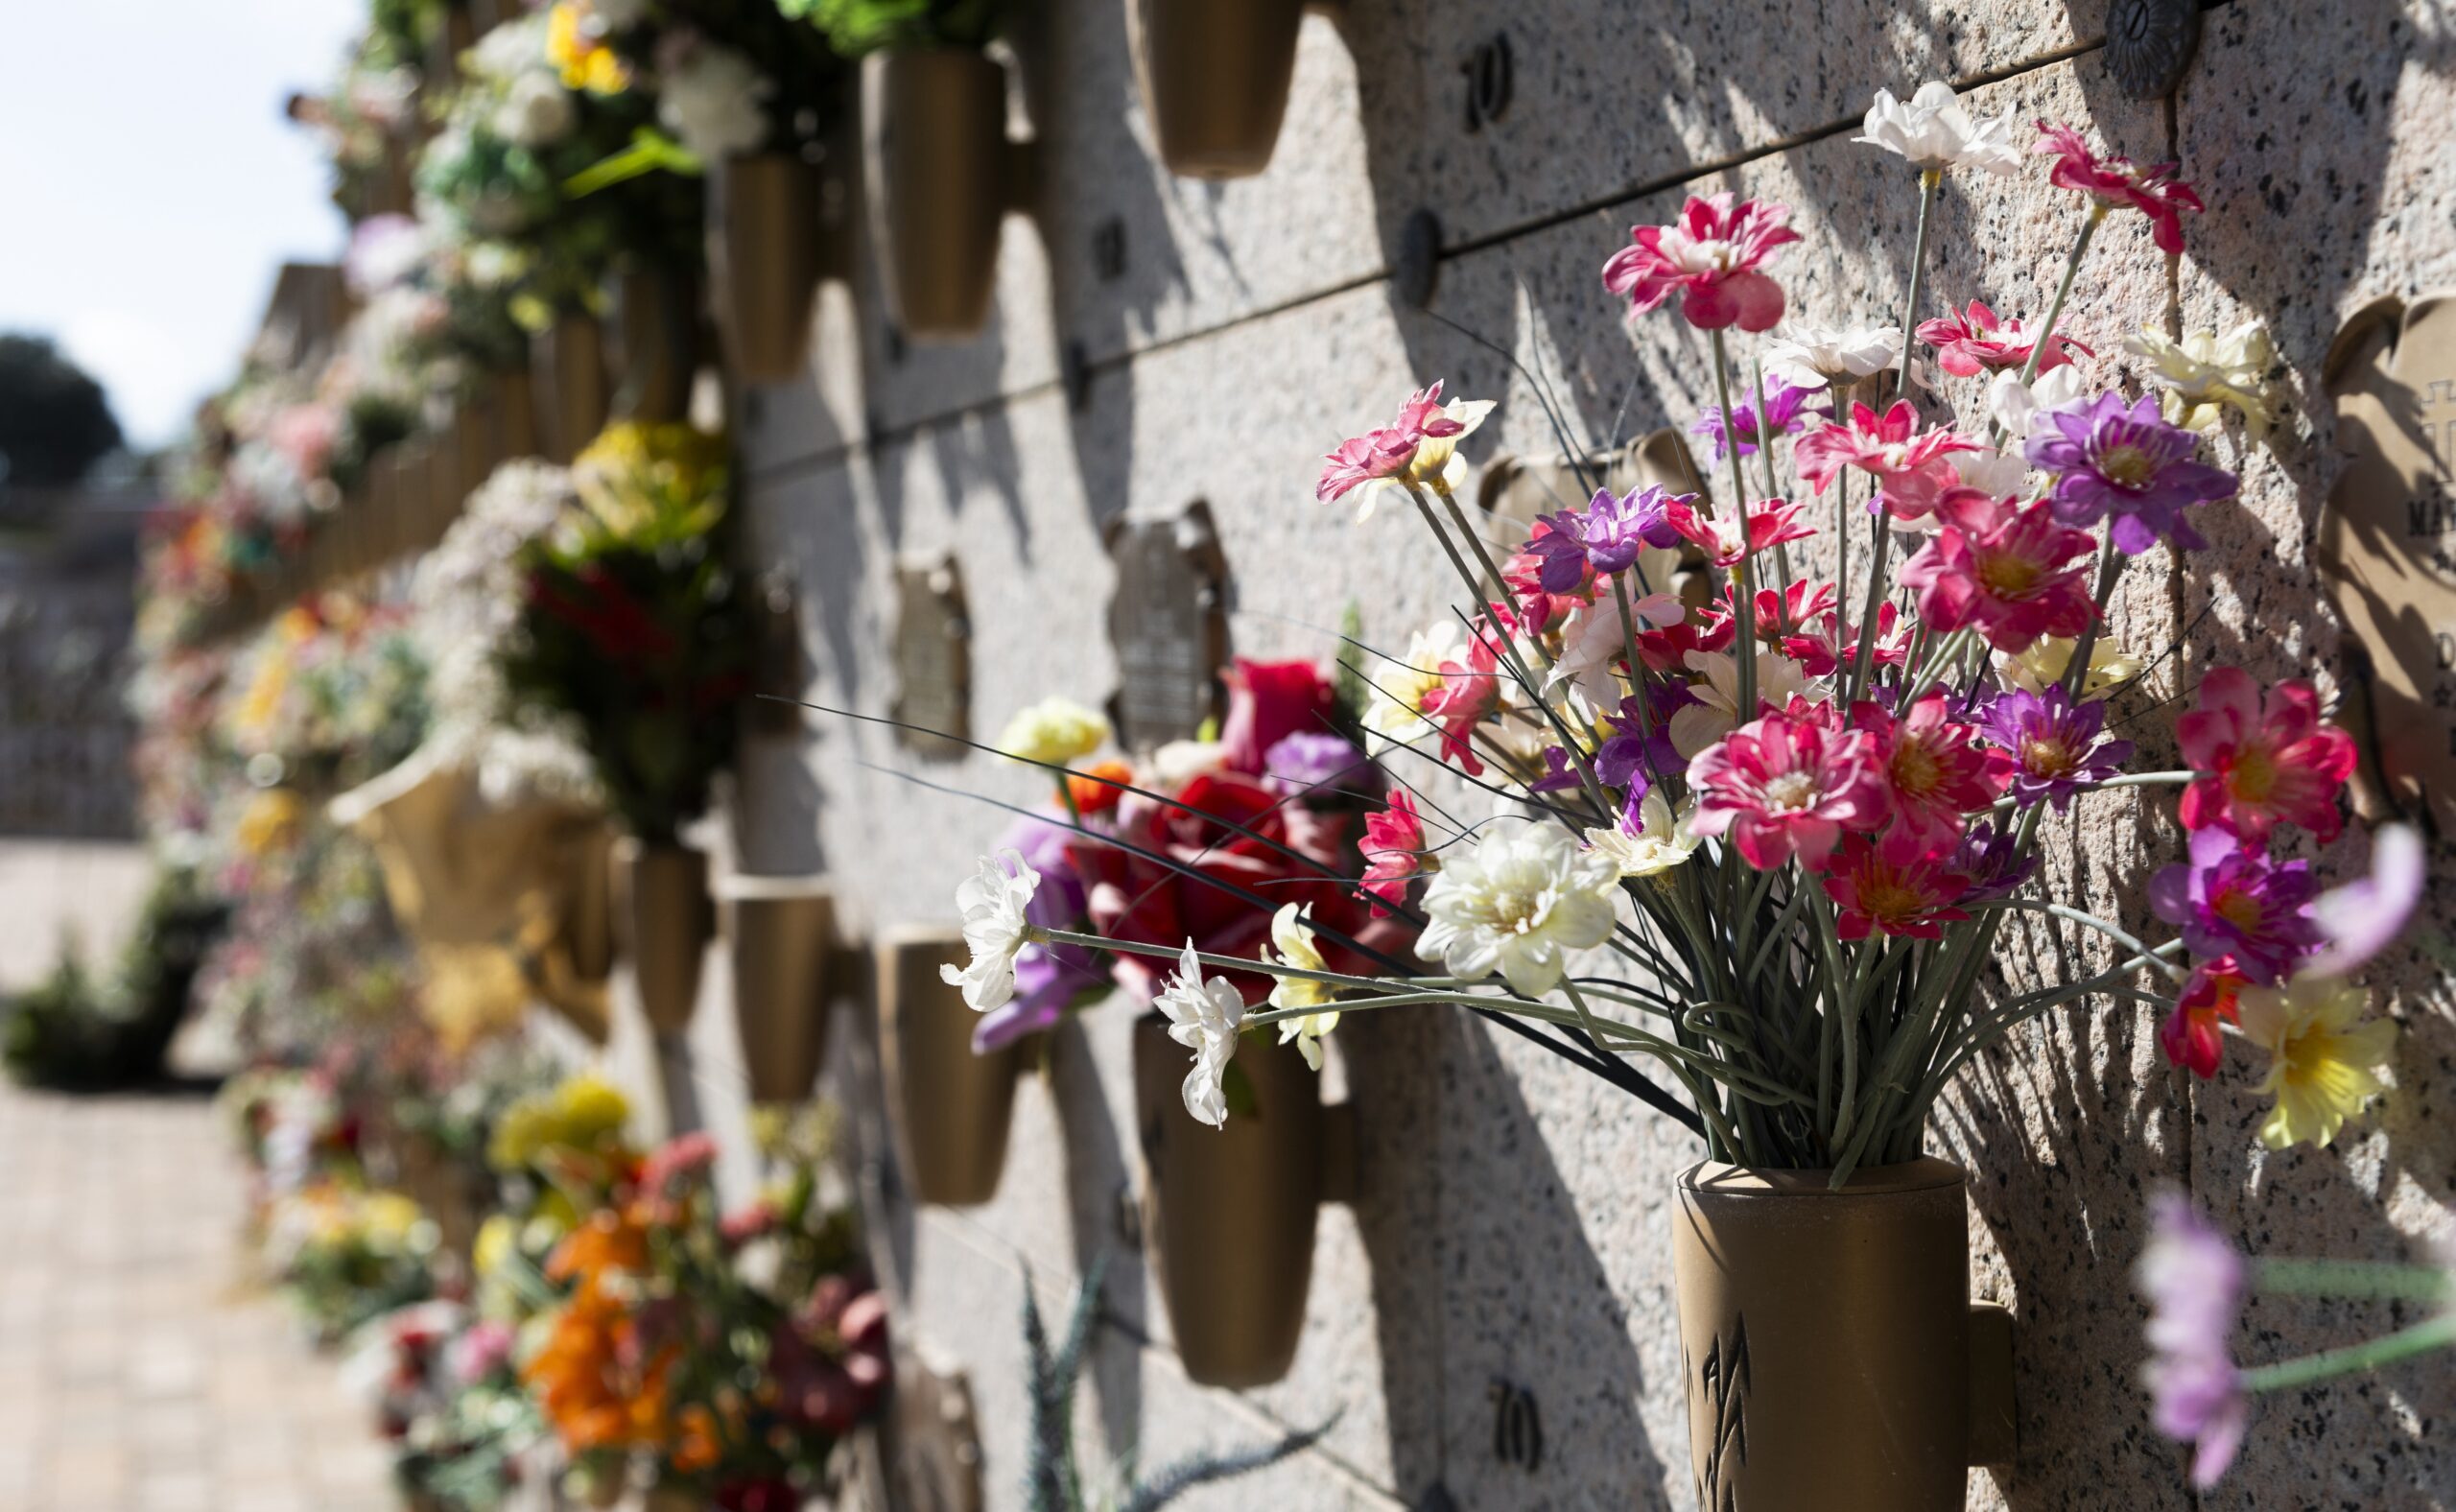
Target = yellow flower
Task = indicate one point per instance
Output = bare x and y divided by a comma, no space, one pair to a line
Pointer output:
1290,931
2203,372
270,818
496,1237
586,62
593,1109
1056,731
2326,1061
636,476
2044,665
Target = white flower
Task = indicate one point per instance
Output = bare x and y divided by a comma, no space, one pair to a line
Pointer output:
1395,714
2044,665
2204,371
536,110
1290,929
1662,841
1054,732
1933,132
1206,1016
1518,903
1594,636
1694,726
993,901
1999,473
713,102
1818,357
2015,406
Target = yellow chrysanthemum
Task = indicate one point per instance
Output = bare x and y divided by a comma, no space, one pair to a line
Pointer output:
585,61
2325,1059
1056,731
635,476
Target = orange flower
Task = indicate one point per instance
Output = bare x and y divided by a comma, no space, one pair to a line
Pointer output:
696,1446
1098,796
609,1240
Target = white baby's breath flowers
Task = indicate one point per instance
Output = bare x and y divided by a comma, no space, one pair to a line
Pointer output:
1934,132
2205,371
1662,841
1292,933
713,102
993,901
1518,902
1206,1016
1817,356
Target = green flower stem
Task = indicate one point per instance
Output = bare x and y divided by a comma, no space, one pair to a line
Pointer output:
1880,520
1764,455
2062,290
1841,392
2092,921
2436,1334
2373,1280
1743,594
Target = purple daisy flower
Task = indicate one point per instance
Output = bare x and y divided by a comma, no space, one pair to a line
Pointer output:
1989,858
1558,773
2059,746
1632,759
2194,1282
2111,459
1607,534
2229,901
1782,411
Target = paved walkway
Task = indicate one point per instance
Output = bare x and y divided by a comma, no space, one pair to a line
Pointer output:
139,1372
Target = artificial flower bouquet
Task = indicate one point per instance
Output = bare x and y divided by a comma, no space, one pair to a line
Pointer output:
857,27
441,1383
632,629
729,78
1766,844
1252,841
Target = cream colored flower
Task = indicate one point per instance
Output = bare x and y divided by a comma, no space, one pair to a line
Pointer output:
1817,356
713,102
1933,132
993,901
1694,726
2326,1060
1054,732
2050,657
2204,371
1207,1017
1518,903
2015,406
1662,842
1395,714
1594,636
1291,931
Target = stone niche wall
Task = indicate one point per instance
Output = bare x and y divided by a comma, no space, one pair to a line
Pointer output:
1512,1229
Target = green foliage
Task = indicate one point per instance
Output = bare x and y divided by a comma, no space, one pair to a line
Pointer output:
79,1033
54,422
856,27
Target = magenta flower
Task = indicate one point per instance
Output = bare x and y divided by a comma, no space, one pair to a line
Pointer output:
2007,568
2058,746
2362,917
2111,459
1394,851
1896,887
2229,901
2192,1036
1606,535
1783,788
1418,447
1710,259
1975,342
2261,765
1470,692
2115,184
2195,1284
1991,862
1932,769
1824,644
1909,463
1780,410
1726,543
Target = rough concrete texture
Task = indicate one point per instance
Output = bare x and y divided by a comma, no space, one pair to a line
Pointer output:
1511,1233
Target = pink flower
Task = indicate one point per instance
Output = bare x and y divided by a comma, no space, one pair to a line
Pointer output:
1468,694
1728,543
1394,850
478,1353
306,434
1908,463
2191,1036
1974,342
2115,184
1268,702
2259,765
1823,644
2002,567
1783,787
1711,258
1900,887
1418,447
2194,1282
1780,612
1933,771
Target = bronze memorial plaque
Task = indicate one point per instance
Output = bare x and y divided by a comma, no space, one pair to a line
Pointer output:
2387,542
932,659
1169,624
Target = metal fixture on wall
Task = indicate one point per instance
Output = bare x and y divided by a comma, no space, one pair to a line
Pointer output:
2150,43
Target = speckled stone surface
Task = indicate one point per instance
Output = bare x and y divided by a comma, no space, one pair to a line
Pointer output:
1511,1232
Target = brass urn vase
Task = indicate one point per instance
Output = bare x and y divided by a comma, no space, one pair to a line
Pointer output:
667,919
943,175
1216,80
951,1108
780,932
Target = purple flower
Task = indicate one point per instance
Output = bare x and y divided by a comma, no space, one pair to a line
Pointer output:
1607,535
2363,917
1314,762
1633,760
2109,459
2229,901
1048,976
2194,1282
1558,773
1782,407
1990,858
2059,746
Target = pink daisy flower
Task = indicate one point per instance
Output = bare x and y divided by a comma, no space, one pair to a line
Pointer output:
1898,887
2117,184
1783,788
1975,342
1933,769
1910,463
1710,259
2262,764
1393,851
1824,644
2002,567
1417,447
1470,692
1726,542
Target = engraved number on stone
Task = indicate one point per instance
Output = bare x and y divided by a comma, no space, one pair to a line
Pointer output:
1518,1427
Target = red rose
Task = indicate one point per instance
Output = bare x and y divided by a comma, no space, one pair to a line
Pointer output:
1268,702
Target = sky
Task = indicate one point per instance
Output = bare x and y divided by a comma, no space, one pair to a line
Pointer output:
150,185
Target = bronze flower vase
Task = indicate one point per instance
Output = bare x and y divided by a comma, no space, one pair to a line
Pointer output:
511,402
787,971
944,175
569,955
1228,1213
952,1107
656,344
1830,1355
667,918
568,387
1216,80
765,261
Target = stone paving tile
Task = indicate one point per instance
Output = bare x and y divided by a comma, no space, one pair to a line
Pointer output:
140,1370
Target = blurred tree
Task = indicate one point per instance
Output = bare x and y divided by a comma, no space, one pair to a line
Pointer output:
55,421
